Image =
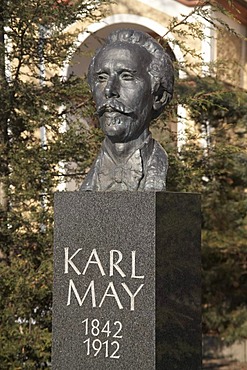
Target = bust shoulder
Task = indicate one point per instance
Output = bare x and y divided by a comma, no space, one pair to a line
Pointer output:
156,170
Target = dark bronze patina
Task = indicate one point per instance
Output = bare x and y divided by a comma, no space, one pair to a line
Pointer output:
131,78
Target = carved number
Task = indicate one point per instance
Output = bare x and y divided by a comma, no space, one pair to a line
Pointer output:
97,346
96,328
120,326
116,350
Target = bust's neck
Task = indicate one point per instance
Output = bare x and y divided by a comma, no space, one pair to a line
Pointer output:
122,151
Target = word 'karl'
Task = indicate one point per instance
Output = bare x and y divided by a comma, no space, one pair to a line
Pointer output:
115,257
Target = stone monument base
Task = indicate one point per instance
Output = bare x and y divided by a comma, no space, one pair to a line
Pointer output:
127,281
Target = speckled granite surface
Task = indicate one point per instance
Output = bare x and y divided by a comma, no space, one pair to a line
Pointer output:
126,281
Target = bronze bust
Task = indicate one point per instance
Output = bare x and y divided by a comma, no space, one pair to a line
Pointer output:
131,78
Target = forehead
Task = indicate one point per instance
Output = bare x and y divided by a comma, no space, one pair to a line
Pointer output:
123,55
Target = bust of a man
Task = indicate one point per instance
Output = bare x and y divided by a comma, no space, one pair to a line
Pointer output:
131,78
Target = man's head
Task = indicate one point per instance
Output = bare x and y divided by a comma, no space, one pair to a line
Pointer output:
131,78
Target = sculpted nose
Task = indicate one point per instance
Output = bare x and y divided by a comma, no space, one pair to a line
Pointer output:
111,89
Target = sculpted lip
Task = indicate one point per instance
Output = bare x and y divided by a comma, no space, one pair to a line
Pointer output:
113,107
111,113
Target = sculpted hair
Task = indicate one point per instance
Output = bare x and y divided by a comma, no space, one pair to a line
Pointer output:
160,69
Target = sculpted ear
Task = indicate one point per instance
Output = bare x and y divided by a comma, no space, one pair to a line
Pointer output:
161,100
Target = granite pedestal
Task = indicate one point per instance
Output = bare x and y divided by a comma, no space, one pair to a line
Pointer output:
127,284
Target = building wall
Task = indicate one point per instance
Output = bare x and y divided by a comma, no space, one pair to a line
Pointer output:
230,47
155,17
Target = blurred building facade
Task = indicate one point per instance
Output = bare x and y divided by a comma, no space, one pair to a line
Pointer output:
155,17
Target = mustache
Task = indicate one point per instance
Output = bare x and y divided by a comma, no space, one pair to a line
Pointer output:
114,105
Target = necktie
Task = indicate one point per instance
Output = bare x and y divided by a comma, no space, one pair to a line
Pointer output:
121,176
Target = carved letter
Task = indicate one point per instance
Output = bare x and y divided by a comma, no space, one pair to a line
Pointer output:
115,264
68,261
114,295
132,296
97,261
133,275
79,300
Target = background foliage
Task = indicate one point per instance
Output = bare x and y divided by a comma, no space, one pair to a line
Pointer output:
218,170
31,36
212,161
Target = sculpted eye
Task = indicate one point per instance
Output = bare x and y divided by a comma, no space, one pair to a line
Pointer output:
102,77
127,76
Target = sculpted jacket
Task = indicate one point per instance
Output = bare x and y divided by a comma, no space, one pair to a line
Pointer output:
145,169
